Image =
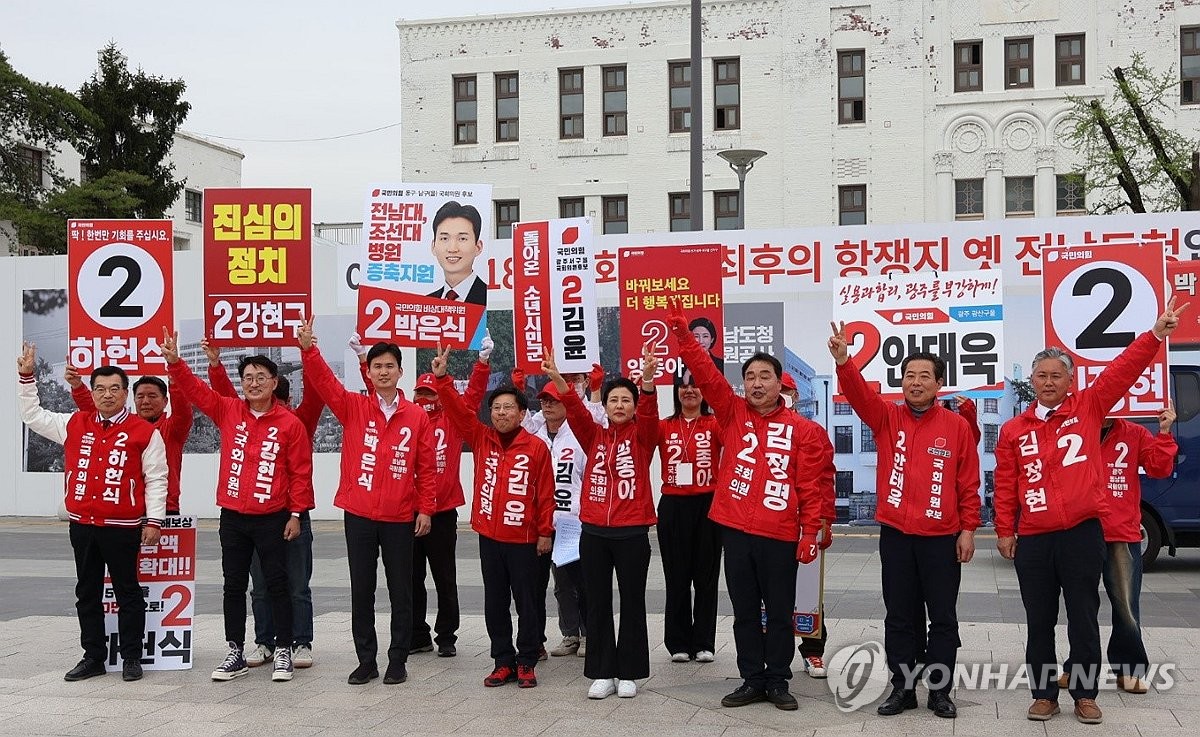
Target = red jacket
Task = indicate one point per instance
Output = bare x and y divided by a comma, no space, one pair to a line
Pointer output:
514,485
693,446
266,462
1049,475
1126,446
174,426
388,472
616,481
769,480
827,481
308,411
927,468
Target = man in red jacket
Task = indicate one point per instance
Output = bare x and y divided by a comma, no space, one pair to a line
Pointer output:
768,499
264,485
1050,490
927,484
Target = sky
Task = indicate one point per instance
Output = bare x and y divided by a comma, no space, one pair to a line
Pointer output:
268,71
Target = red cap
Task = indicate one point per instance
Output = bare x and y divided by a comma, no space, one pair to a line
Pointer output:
550,390
427,381
788,382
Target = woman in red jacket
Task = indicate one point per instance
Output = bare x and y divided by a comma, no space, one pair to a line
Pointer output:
616,509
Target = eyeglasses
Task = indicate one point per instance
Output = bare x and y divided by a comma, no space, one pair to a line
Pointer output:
256,378
105,390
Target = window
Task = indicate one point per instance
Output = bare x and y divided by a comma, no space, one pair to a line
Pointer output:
681,211
466,118
726,208
989,482
1189,65
991,406
1069,194
990,434
852,86
570,207
1018,197
507,107
843,439
615,101
1018,62
193,206
1068,60
868,440
968,66
842,408
968,199
843,485
616,215
680,79
507,213
33,160
727,95
570,103
852,205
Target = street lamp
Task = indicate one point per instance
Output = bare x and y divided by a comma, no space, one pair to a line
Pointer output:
741,160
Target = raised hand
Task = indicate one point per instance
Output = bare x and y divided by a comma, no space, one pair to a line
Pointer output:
596,378
518,378
676,320
27,361
441,361
304,334
170,346
71,375
211,352
1166,418
355,344
1169,319
649,363
485,352
838,347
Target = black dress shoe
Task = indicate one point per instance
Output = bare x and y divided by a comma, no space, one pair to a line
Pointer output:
941,705
446,651
743,695
782,699
84,669
362,674
131,670
899,700
396,673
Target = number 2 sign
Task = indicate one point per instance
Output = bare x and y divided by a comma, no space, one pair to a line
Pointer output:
120,293
1097,299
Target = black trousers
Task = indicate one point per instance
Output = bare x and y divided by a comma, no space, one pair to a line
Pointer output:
366,542
436,549
512,573
1071,562
117,548
760,573
544,564
814,646
919,573
624,655
243,535
571,599
690,545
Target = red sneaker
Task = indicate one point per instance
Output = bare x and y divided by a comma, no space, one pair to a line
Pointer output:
526,677
502,675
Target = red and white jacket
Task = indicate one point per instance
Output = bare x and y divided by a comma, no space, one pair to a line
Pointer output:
689,451
1126,446
266,462
1049,474
388,465
514,485
114,477
616,481
927,474
769,480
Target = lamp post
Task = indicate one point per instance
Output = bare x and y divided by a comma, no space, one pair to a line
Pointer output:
741,160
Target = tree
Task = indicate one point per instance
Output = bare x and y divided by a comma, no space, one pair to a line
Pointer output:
1132,158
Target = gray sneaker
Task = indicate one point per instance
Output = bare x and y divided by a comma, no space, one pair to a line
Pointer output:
568,646
582,651
302,656
234,665
259,655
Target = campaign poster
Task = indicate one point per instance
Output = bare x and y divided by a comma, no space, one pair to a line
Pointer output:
750,328
257,265
1096,300
810,591
957,315
120,293
649,277
1182,277
555,294
420,280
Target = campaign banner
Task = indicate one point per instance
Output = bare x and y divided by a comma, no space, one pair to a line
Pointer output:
957,315
257,265
120,288
751,327
810,592
167,573
1182,277
1096,301
421,243
649,277
555,295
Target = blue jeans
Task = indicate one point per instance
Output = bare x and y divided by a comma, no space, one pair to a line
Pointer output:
300,565
1123,582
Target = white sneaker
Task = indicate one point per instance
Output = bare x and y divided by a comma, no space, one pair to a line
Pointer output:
814,666
602,688
582,651
626,689
302,656
259,655
704,656
680,657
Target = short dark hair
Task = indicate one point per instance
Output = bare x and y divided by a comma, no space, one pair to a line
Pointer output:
618,383
522,402
704,322
380,349
258,360
110,371
283,389
768,358
679,384
939,363
453,209
153,381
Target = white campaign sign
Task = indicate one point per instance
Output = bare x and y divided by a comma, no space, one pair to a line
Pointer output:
121,286
1100,307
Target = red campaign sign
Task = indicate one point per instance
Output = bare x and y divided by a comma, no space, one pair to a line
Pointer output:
531,294
257,265
120,290
1097,299
385,315
1182,276
648,278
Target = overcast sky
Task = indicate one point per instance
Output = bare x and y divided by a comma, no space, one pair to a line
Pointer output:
258,70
